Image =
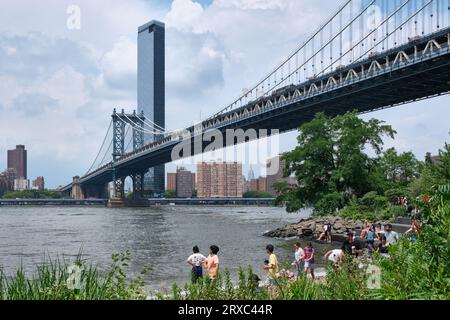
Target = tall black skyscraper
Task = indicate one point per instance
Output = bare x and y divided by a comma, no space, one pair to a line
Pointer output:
151,90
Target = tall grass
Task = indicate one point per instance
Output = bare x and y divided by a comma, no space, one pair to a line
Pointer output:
50,281
414,270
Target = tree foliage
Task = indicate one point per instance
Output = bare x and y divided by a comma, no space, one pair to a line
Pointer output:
331,158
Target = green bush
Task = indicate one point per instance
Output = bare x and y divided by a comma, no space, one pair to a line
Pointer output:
374,201
329,204
394,212
421,269
394,194
257,194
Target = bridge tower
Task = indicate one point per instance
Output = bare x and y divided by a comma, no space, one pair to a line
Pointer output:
138,142
120,122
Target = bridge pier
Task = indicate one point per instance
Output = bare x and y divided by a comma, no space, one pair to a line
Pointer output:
138,199
77,191
118,197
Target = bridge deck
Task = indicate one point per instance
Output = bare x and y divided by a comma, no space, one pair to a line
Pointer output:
414,71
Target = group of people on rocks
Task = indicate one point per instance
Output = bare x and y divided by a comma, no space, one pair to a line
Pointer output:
373,236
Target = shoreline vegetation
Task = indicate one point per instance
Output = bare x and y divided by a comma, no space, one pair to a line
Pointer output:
336,177
417,269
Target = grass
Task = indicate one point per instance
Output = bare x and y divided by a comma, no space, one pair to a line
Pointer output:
52,280
415,270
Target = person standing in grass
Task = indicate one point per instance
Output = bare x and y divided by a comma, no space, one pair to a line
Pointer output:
350,247
272,266
211,263
299,256
309,259
196,260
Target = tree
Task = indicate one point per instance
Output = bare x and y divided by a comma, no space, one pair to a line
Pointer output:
170,194
256,194
399,169
443,164
330,158
433,173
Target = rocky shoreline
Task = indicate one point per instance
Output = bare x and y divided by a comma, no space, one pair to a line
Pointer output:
311,228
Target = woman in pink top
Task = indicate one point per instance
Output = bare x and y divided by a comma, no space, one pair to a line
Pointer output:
212,262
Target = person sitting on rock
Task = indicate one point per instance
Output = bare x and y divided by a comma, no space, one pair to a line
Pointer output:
324,235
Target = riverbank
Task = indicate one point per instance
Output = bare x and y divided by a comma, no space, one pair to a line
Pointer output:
311,228
53,202
143,203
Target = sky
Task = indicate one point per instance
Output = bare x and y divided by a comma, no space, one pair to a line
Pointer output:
59,85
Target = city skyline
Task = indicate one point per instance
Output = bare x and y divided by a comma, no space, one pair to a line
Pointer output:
14,177
68,98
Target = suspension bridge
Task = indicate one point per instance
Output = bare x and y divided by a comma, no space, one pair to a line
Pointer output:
369,55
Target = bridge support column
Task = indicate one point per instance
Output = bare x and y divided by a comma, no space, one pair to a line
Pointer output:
138,191
77,192
138,185
118,197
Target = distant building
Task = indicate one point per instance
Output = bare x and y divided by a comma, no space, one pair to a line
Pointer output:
184,183
3,184
258,185
262,184
435,159
251,174
171,181
21,184
7,178
254,185
17,160
151,91
38,184
194,182
219,180
275,168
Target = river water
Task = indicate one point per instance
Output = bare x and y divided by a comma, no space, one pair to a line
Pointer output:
159,237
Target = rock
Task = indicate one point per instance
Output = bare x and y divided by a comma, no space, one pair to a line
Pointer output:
307,232
338,226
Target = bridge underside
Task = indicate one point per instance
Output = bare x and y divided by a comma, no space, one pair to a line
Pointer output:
420,80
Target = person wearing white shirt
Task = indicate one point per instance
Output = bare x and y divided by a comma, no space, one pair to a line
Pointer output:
196,261
391,236
299,258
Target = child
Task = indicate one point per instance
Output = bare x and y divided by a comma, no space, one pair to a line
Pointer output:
299,256
195,260
272,265
309,259
212,262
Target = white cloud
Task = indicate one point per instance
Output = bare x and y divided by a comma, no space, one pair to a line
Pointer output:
184,15
76,78
118,66
253,4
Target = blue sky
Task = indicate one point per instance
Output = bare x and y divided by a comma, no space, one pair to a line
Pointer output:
58,86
